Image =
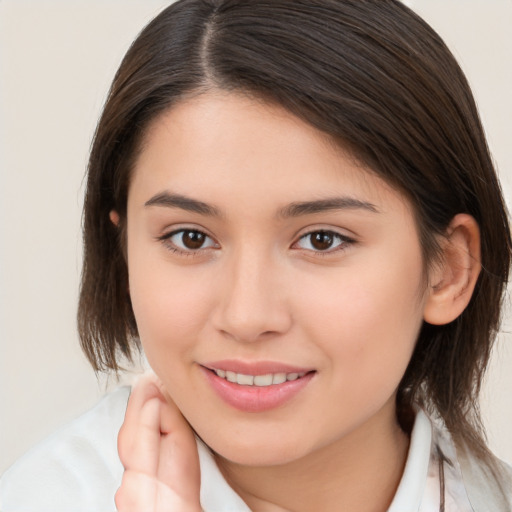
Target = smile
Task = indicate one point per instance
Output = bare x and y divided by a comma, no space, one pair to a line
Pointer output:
268,379
256,387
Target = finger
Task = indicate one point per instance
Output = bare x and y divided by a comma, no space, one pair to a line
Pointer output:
144,453
179,460
156,441
143,391
178,465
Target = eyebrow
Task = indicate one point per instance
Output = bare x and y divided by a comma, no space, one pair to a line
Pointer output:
184,203
322,205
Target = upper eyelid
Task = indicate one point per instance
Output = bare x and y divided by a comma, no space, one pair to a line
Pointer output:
166,234
343,233
323,230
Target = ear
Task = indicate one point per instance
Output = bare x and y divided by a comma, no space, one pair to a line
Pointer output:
452,280
114,217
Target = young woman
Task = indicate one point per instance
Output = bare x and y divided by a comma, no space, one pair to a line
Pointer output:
291,208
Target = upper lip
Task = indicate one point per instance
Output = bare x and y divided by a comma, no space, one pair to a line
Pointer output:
254,367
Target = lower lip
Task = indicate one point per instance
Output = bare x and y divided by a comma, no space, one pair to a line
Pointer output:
256,398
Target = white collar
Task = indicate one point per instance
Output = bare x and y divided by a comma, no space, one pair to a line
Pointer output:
216,494
411,490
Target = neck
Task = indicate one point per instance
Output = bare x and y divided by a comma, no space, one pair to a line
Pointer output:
359,472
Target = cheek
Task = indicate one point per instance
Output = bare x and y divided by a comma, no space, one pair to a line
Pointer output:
170,304
367,321
170,311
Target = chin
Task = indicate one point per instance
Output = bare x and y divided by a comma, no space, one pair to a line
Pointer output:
251,451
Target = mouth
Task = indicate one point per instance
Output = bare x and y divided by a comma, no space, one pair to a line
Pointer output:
256,387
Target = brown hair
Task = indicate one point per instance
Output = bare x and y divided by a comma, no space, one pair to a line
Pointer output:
375,77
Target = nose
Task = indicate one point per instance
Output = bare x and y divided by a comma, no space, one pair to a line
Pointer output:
252,303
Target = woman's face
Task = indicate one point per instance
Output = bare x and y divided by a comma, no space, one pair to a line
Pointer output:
261,253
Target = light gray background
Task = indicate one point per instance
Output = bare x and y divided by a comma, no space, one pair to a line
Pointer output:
57,59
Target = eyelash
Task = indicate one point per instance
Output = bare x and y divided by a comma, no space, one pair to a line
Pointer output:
171,246
344,242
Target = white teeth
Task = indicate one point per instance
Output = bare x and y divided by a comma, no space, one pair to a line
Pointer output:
244,380
279,378
258,380
263,380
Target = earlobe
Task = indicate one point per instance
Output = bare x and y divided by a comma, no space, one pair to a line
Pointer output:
114,217
453,280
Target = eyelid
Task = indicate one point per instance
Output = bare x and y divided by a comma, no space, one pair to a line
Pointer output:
172,229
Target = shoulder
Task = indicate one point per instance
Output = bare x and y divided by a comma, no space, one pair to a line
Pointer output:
58,474
483,486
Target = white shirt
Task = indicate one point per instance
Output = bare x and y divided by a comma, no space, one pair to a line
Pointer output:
78,470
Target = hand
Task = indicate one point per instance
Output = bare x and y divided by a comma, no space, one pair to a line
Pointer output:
159,454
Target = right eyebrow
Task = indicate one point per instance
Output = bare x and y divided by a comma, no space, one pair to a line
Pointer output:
169,200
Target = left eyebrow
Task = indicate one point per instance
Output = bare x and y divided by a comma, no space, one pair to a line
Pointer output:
323,205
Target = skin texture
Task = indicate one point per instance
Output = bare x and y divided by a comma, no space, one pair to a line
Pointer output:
259,289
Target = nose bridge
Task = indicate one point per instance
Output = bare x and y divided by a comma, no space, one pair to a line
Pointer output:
253,302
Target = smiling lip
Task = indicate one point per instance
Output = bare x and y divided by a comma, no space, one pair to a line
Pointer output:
261,396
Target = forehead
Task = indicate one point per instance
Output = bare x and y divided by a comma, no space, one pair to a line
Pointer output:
228,146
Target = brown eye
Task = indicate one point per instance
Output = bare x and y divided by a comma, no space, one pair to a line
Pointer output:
193,239
323,241
188,240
